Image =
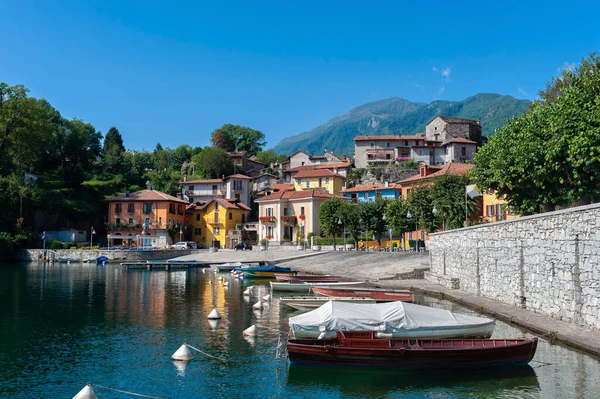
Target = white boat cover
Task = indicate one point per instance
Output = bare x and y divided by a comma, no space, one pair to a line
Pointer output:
394,318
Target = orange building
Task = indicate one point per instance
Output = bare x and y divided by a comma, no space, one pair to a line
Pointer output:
144,218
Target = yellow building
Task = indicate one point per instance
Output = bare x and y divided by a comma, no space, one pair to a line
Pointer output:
324,179
496,209
211,221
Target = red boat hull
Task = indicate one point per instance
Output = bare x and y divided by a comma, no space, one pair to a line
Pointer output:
308,279
378,295
403,353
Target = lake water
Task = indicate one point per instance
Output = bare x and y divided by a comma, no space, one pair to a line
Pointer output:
62,326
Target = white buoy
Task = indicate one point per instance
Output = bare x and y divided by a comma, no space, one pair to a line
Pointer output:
183,353
214,323
257,306
86,393
247,292
266,298
214,315
250,331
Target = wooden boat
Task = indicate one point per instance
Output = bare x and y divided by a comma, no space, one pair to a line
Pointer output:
311,302
66,259
362,348
307,287
380,295
307,278
227,267
267,271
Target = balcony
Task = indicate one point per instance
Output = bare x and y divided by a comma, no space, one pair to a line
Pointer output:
268,219
289,220
206,193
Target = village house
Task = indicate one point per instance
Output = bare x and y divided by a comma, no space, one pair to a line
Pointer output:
146,218
321,179
446,140
243,164
231,187
495,209
217,222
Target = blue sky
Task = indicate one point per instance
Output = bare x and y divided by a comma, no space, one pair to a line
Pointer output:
174,71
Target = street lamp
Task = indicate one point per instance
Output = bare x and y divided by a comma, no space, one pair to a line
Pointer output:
408,215
92,232
303,234
340,222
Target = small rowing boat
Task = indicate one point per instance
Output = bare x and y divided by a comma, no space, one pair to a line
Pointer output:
267,271
307,278
363,348
380,295
307,287
312,302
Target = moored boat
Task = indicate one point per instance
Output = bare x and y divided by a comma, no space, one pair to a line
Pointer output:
307,287
307,278
66,259
380,295
227,267
102,260
312,302
391,320
267,271
363,348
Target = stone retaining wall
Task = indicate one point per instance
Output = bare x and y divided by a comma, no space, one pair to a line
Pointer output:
38,254
547,263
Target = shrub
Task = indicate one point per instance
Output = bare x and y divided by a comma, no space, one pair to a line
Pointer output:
264,242
54,244
328,241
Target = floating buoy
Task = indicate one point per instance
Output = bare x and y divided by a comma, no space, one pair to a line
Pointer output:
247,292
257,306
86,393
183,353
250,331
266,298
214,315
214,323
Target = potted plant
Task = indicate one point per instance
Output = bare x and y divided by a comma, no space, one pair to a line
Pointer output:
264,243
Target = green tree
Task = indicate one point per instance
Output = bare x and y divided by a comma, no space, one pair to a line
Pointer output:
244,138
372,219
395,217
281,158
330,214
448,198
549,157
223,139
351,221
213,163
113,151
267,157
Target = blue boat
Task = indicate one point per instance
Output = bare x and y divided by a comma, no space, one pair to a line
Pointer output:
267,271
102,260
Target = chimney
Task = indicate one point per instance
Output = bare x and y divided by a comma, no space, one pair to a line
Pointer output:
148,185
386,184
185,178
126,193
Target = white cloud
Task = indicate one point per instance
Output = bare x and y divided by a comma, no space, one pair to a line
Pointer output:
522,91
445,78
446,73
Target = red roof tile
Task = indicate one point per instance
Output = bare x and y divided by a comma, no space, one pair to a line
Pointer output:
461,140
282,187
238,176
334,165
369,187
147,195
313,193
449,168
201,181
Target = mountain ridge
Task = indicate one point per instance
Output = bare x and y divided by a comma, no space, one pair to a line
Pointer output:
396,115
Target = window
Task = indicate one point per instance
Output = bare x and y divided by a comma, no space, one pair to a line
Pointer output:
197,231
490,210
387,144
285,211
191,188
406,143
172,208
372,145
269,211
243,218
302,210
327,180
217,230
299,182
435,128
237,197
180,209
307,182
420,152
147,208
270,231
320,182
230,215
388,156
214,188
302,163
130,221
216,206
366,196
130,208
147,222
197,217
118,221
436,137
422,172
463,151
118,208
237,185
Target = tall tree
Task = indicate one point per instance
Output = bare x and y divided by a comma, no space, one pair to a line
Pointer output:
396,219
244,138
547,158
449,199
372,217
113,151
223,139
330,217
213,163
267,157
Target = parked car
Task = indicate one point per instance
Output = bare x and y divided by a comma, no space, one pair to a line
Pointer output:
185,245
243,246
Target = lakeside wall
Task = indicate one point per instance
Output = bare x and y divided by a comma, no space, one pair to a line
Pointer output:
547,263
85,254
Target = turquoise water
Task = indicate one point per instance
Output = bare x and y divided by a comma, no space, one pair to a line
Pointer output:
62,326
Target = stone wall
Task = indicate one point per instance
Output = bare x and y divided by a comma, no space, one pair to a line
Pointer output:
38,254
547,263
387,174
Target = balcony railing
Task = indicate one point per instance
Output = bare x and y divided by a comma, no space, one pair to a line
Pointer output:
205,193
268,219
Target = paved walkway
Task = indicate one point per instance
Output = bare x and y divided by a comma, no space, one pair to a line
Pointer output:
229,255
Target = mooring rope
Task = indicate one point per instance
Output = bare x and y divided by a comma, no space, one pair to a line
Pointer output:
126,392
204,353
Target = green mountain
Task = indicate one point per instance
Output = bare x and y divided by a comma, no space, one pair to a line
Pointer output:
399,116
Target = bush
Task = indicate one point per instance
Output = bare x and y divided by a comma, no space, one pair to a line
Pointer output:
308,238
54,244
264,242
10,244
329,241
